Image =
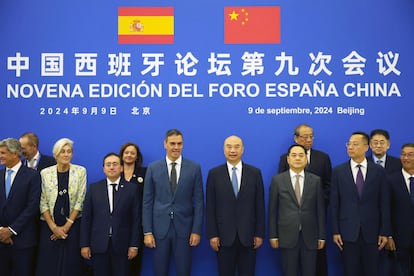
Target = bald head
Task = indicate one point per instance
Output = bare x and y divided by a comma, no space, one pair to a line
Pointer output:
233,149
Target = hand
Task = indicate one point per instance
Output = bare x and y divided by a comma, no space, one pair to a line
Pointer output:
321,244
194,239
391,245
132,252
382,241
149,240
215,243
5,235
86,253
257,242
58,233
337,239
274,243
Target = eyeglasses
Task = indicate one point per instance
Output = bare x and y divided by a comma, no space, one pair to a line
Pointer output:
407,155
378,143
306,137
109,164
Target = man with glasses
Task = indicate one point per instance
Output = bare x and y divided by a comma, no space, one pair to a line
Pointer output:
319,164
379,144
359,209
402,212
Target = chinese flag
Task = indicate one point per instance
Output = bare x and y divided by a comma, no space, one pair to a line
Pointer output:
252,25
145,25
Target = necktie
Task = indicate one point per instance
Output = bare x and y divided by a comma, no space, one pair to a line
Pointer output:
359,180
113,195
234,181
297,189
173,177
379,162
8,181
411,188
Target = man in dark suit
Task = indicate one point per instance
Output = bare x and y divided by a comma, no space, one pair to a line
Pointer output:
379,143
19,206
402,211
297,215
30,151
360,209
172,207
110,227
235,214
319,164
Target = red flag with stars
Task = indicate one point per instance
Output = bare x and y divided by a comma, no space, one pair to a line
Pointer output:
252,25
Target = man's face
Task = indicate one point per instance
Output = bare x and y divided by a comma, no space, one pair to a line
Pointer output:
379,145
7,158
305,137
233,149
297,159
407,159
173,146
28,151
357,147
112,167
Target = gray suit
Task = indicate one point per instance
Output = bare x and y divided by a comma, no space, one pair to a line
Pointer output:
297,226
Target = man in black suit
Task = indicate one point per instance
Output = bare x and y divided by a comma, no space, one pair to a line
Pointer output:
235,211
30,151
380,143
111,218
297,215
402,211
19,207
319,164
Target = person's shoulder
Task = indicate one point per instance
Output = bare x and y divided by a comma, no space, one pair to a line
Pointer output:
319,152
77,167
189,162
250,167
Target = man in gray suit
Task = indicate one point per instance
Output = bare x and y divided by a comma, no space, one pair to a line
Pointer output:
297,215
173,206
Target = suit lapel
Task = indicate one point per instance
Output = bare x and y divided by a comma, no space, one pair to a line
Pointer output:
288,182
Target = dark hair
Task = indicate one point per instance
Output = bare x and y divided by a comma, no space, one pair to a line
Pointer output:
110,154
138,162
296,145
172,132
410,145
365,136
382,132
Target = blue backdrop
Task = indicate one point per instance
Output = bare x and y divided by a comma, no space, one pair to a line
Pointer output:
340,66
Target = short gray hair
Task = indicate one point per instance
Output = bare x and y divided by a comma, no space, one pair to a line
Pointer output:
12,144
60,144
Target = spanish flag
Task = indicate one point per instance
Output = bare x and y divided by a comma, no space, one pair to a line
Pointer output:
145,25
252,25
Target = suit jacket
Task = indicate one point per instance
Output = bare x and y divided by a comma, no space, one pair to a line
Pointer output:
20,210
370,213
402,211
286,215
124,220
392,164
228,216
161,206
320,164
76,188
44,162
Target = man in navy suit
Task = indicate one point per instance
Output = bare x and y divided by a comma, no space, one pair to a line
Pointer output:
19,206
30,151
235,214
297,215
172,207
110,227
402,211
380,143
360,209
319,164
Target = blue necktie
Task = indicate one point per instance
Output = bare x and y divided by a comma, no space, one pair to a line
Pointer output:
359,180
411,188
234,181
8,181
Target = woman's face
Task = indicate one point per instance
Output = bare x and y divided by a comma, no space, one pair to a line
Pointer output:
65,155
130,155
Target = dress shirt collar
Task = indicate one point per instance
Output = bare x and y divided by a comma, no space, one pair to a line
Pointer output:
293,174
177,162
16,167
238,166
363,163
109,182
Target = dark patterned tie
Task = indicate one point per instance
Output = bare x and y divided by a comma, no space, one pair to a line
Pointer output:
359,180
173,177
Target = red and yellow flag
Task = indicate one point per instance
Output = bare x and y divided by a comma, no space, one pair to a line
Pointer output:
145,25
252,25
